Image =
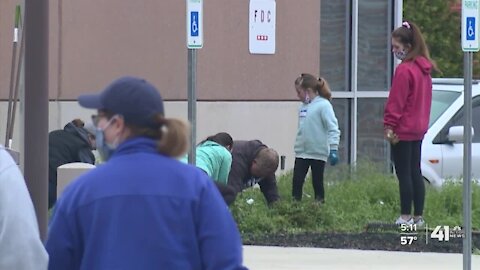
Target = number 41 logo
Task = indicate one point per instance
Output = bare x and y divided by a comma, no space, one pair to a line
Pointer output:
442,233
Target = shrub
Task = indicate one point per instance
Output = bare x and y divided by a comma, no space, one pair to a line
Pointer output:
353,199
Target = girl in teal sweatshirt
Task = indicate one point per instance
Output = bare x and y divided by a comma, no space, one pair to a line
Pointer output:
318,134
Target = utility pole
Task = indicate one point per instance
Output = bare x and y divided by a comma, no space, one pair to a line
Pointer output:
36,108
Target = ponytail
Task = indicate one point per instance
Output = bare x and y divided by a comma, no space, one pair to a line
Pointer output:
174,137
323,89
171,135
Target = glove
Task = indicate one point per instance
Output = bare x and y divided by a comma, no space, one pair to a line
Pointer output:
333,157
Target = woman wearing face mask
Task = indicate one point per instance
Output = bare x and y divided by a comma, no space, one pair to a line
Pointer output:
142,208
406,117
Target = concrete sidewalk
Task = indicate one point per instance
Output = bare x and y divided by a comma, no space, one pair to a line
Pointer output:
278,258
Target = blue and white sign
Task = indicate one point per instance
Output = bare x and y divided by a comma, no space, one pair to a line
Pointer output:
470,14
194,24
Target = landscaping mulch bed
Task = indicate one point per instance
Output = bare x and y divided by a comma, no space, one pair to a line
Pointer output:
389,241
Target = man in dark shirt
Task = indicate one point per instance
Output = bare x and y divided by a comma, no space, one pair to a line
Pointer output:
252,163
73,143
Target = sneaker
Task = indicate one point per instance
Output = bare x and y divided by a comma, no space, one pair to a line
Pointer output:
419,222
401,221
320,200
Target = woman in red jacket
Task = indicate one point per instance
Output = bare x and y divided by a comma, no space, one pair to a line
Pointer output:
406,117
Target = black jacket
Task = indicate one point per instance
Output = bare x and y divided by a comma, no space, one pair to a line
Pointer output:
66,146
243,154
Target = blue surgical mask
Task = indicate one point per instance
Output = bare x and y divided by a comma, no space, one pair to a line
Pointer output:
401,55
104,149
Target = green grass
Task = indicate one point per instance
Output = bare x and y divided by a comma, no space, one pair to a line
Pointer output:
352,201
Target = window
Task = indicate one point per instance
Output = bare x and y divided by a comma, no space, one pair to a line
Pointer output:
371,144
360,86
374,56
459,119
334,51
441,101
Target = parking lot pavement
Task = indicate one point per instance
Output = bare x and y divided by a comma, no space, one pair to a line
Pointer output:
279,258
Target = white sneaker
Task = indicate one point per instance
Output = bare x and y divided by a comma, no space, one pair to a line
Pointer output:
401,221
419,222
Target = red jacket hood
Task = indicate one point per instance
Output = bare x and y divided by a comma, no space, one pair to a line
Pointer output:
424,64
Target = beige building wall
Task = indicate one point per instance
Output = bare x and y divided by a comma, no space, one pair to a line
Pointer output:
95,41
251,96
274,123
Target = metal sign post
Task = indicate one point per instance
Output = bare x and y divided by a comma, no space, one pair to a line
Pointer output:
194,29
467,162
470,44
192,102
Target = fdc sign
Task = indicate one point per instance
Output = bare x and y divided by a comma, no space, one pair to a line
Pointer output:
470,14
262,26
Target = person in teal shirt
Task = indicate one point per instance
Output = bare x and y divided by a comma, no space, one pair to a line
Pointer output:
318,134
214,157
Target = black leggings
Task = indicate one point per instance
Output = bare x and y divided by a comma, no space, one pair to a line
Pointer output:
406,156
300,171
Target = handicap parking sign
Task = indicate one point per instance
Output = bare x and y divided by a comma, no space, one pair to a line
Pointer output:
470,28
194,23
470,25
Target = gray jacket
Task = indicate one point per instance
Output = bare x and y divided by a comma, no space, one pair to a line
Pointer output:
20,244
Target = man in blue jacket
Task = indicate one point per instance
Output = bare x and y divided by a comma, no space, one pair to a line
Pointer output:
142,208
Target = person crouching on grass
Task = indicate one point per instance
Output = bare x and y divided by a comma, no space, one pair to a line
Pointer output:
214,156
318,135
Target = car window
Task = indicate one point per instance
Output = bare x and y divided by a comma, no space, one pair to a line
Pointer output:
441,101
459,119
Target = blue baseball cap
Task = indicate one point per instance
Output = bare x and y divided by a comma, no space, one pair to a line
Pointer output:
137,100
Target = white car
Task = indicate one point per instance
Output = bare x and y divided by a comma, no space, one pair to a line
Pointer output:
442,147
